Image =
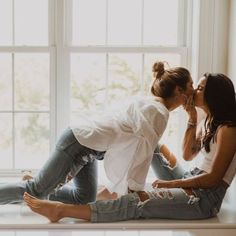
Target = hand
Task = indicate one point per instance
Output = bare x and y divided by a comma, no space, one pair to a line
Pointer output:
156,183
130,190
190,108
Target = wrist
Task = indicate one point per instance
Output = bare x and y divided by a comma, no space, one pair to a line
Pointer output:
191,124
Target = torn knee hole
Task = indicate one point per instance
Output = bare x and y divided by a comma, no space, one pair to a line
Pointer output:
193,198
143,196
161,193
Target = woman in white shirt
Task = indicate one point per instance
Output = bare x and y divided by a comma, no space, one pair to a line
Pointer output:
194,194
125,140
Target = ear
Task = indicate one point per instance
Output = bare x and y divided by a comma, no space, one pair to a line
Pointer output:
178,91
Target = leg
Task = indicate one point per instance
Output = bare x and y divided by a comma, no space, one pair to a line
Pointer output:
168,155
55,211
173,203
53,172
123,208
104,194
165,165
84,186
73,157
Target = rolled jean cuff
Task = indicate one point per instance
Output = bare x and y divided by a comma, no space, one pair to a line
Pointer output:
158,147
94,212
123,208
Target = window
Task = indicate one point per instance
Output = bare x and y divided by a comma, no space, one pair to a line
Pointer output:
112,47
59,59
24,84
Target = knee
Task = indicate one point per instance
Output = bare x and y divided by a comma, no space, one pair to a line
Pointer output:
84,197
35,189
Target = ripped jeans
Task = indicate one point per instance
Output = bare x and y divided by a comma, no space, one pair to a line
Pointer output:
69,157
163,203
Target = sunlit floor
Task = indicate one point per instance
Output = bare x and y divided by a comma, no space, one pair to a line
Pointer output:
19,220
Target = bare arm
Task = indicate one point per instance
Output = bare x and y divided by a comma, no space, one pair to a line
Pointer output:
191,142
224,154
192,138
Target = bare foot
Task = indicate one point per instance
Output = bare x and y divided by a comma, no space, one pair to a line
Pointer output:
27,177
49,209
104,194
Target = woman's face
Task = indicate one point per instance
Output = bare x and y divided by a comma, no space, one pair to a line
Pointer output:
189,88
199,93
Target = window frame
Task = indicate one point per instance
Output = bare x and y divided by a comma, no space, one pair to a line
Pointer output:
60,48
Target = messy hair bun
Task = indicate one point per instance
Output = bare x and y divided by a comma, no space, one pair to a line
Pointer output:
166,80
158,69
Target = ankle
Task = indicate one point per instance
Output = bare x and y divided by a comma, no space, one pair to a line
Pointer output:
59,210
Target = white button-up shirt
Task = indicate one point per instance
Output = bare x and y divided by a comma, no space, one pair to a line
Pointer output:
129,138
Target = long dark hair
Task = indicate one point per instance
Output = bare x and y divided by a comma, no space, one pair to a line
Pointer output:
166,80
219,96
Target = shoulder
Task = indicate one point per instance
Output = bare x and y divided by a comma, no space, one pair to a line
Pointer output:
225,131
154,109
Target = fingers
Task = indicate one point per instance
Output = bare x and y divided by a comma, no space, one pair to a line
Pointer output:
155,184
189,106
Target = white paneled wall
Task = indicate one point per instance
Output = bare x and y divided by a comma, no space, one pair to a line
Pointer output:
232,42
232,75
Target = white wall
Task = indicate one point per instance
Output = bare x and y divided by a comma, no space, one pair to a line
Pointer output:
232,74
210,36
214,46
232,42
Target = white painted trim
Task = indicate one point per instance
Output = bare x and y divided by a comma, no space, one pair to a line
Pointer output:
193,54
124,49
206,36
232,45
62,65
209,37
182,22
51,22
220,37
24,49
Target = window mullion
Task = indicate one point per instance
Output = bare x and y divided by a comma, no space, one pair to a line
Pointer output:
62,71
182,5
13,113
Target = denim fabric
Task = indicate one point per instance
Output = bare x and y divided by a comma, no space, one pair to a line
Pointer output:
69,156
171,203
162,169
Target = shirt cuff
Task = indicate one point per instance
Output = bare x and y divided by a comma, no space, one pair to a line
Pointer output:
133,185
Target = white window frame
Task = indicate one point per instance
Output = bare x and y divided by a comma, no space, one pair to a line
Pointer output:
51,50
59,49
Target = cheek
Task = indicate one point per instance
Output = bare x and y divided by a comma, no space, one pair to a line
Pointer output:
190,91
198,98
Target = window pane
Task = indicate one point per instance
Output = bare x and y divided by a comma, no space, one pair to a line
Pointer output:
5,81
124,75
31,22
32,81
6,140
88,82
5,22
31,140
124,22
160,22
89,22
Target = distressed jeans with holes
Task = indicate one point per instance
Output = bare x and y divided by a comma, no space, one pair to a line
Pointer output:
68,156
163,203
